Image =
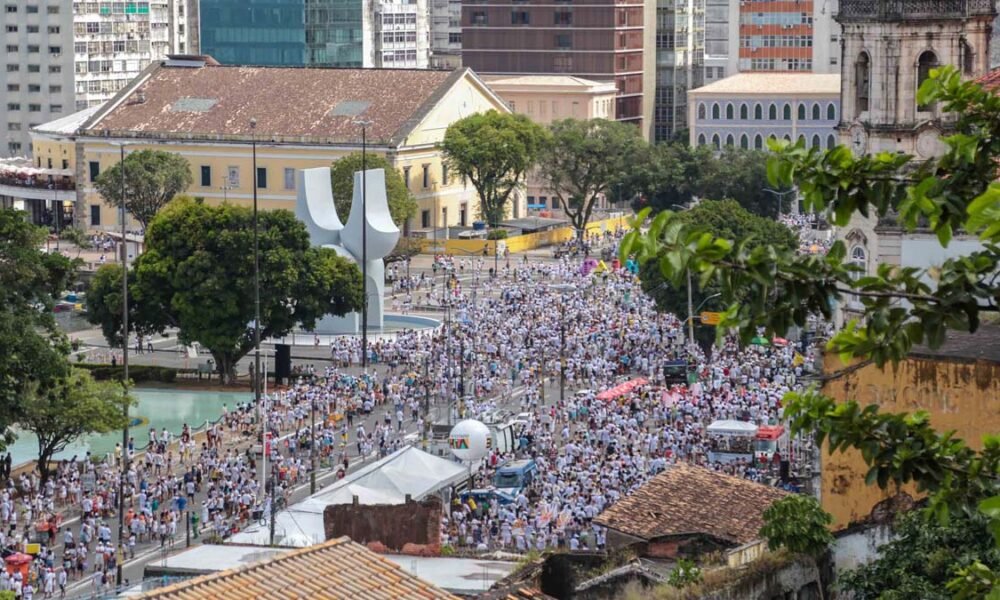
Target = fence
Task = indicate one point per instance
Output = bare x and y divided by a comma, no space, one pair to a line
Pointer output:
518,243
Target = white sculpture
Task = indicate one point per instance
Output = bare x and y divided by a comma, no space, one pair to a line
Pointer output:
314,207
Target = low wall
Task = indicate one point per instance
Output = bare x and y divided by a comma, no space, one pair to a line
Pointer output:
517,243
393,526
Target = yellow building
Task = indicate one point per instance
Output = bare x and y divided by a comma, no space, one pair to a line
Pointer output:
958,385
299,118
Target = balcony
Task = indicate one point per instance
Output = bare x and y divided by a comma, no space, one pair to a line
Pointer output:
894,10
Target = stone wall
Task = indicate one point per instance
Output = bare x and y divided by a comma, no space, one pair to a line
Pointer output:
412,527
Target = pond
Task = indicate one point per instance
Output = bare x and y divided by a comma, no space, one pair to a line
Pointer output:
156,408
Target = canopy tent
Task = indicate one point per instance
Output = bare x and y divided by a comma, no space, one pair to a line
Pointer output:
406,472
732,427
621,389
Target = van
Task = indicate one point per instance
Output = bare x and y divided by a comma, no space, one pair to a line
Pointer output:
514,476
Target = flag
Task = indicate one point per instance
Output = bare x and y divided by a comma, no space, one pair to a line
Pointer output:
798,360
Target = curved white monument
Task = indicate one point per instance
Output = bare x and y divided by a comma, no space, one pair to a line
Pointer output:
314,206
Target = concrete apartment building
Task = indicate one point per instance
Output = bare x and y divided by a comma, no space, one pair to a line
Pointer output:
60,57
328,33
783,35
446,34
601,40
680,57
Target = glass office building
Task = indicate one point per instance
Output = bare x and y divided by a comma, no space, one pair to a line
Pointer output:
334,33
254,32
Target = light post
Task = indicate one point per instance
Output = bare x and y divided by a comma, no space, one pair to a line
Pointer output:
125,455
225,187
780,196
690,297
364,124
562,288
312,448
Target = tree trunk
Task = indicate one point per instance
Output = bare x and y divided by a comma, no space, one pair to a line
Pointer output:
44,455
226,367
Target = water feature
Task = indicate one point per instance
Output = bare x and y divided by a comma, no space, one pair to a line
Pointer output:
156,408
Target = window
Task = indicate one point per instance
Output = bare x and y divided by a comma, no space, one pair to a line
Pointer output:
95,170
34,69
52,10
519,17
54,29
815,142
406,173
701,111
831,142
13,106
758,112
831,112
715,112
233,174
11,8
12,29
862,84
859,258
744,111
927,61
701,139
14,147
13,68
816,112
463,213
65,164
563,40
55,89
968,59
772,112
206,176
425,219
55,108
95,214
786,112
289,178
55,69
563,17
444,173
758,142
34,88
31,9
262,177
454,38
730,141
729,112
802,112
13,127
33,49
13,87
426,180
715,142
12,48
55,50
478,18
744,141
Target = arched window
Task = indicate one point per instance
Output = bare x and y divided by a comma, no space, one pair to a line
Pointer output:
701,111
772,112
744,141
816,143
862,83
715,112
801,141
816,112
831,142
758,112
758,142
701,139
788,138
968,59
859,258
802,112
730,141
715,141
730,115
786,113
744,111
927,61
831,112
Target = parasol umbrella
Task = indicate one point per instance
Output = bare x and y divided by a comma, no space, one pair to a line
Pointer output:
760,341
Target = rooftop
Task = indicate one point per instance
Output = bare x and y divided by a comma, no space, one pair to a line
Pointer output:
983,345
69,124
774,84
689,500
337,569
202,100
990,80
550,81
927,10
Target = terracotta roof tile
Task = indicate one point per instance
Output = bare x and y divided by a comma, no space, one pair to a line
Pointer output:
990,80
317,105
685,499
336,570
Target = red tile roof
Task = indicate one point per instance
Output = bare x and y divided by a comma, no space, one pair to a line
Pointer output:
311,105
335,570
990,80
689,500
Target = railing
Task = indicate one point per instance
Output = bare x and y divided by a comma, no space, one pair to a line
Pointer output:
897,9
38,184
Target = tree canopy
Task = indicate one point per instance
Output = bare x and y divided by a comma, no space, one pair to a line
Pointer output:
152,179
402,205
197,275
583,160
493,151
772,288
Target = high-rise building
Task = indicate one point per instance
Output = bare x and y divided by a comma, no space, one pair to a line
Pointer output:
602,40
680,55
718,31
254,32
60,58
446,34
783,35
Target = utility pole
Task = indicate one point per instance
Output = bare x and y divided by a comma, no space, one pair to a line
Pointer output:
274,501
690,311
562,353
312,449
364,242
125,457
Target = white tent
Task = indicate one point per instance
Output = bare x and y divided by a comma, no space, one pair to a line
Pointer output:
408,471
732,427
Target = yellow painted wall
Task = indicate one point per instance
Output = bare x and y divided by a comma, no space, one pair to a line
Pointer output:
517,243
44,149
960,396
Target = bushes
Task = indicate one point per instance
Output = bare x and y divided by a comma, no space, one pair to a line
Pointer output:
137,373
497,234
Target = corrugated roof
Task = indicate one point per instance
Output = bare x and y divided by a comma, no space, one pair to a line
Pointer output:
550,81
689,500
771,84
69,124
319,105
335,570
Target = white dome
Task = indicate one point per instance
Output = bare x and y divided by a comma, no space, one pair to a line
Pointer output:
469,440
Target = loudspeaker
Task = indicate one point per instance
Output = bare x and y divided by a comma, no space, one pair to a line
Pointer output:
282,363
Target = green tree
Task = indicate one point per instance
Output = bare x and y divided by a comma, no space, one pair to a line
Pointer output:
773,288
493,151
741,175
152,179
723,219
78,237
665,176
402,205
799,524
197,275
32,350
104,306
583,160
75,406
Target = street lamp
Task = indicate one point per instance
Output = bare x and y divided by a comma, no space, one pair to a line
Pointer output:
780,196
562,288
125,455
364,124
